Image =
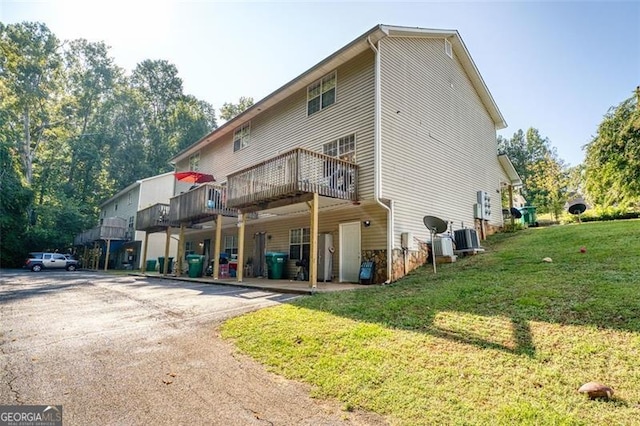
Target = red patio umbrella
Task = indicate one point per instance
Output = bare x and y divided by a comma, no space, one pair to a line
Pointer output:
194,177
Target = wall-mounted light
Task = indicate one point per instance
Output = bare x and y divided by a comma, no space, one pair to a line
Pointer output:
366,223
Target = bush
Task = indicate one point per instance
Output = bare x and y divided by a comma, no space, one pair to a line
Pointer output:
600,213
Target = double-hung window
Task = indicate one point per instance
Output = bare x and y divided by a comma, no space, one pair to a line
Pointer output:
231,245
338,176
194,162
343,148
321,93
241,137
299,244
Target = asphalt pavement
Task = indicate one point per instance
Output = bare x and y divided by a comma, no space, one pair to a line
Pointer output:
124,350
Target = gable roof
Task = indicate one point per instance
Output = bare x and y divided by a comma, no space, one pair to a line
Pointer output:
131,186
340,57
510,170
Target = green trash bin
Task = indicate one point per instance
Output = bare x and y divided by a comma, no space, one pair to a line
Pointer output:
529,216
195,262
161,264
276,264
151,265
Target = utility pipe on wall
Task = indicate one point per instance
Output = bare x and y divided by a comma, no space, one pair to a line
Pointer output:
377,154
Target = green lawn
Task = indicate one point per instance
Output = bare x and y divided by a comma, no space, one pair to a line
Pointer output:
497,338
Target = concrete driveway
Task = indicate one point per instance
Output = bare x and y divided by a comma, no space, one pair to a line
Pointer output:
137,350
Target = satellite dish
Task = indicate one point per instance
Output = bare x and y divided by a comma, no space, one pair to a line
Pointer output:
435,224
517,214
577,208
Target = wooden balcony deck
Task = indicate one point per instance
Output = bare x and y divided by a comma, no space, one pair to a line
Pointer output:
154,218
291,175
200,204
114,228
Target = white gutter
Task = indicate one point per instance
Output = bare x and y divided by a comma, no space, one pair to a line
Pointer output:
377,160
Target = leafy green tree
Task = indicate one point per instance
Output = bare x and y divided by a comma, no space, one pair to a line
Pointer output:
543,173
30,69
91,77
612,162
15,198
231,110
191,120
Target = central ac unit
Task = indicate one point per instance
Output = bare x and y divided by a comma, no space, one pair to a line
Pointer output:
466,239
443,246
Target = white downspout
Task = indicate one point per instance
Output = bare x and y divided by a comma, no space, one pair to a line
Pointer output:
377,160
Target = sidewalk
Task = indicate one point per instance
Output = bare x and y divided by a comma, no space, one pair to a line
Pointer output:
277,286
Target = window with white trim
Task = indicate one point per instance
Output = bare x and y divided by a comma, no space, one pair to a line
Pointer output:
129,197
300,244
231,245
321,93
343,148
194,162
131,223
241,137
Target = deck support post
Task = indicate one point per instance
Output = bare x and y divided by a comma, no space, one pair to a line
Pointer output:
145,247
166,251
313,261
180,253
216,250
106,257
240,266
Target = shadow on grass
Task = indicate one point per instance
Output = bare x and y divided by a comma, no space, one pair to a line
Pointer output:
489,300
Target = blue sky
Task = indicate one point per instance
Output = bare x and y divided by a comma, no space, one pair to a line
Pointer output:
556,66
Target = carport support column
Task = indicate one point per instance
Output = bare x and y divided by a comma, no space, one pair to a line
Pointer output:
218,245
180,250
106,257
240,267
144,252
166,251
313,261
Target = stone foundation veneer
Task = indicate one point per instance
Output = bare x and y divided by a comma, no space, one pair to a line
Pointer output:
415,259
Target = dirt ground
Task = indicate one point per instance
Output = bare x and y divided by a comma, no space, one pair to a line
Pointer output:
130,350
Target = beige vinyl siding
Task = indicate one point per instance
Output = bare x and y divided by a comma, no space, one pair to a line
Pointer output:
157,189
438,140
287,126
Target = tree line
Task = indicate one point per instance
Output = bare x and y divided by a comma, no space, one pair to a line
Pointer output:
75,128
609,176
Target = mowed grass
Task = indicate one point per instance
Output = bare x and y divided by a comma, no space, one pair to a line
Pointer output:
497,338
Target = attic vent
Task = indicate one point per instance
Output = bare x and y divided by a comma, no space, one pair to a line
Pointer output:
447,48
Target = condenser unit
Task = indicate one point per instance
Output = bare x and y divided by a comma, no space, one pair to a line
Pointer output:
466,239
443,246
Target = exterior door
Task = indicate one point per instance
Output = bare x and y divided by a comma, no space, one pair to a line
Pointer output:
259,251
350,252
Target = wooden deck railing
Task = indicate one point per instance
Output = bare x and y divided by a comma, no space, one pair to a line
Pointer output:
154,218
290,174
200,204
114,228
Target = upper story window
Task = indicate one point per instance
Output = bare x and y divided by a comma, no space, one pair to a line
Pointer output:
129,198
343,148
321,93
194,162
241,137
